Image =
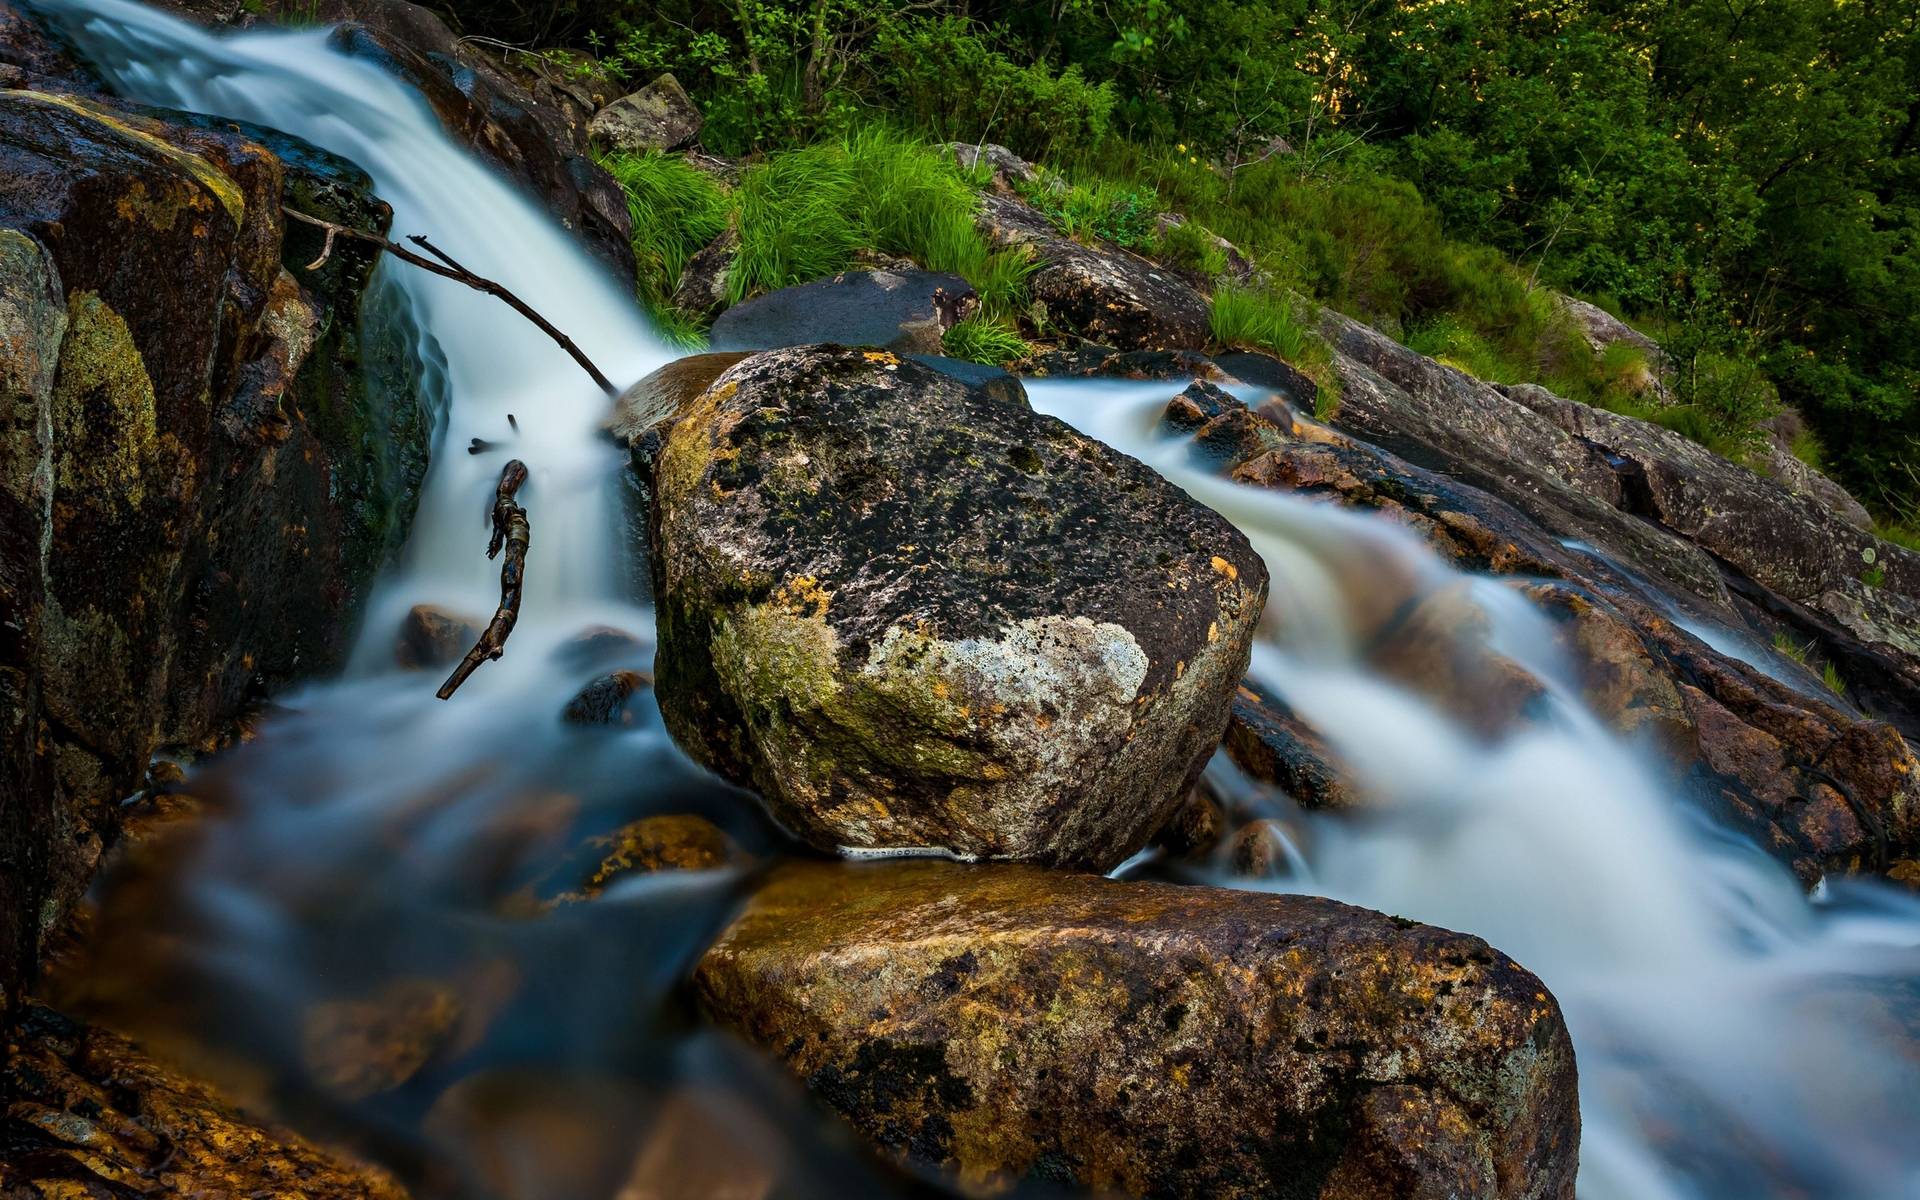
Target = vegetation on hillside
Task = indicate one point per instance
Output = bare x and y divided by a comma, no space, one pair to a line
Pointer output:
1739,178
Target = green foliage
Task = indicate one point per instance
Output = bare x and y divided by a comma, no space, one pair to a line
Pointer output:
1188,246
947,77
985,339
1257,320
1792,649
803,213
1120,213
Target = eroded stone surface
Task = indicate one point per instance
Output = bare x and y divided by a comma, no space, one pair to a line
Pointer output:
913,613
1006,1022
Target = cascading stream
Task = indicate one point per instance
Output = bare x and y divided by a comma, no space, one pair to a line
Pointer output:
1731,1036
1728,1030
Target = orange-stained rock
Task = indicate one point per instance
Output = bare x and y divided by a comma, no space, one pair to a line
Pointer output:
1007,1022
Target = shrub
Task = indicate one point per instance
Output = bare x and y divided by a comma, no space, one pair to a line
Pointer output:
1188,246
948,79
984,339
1257,320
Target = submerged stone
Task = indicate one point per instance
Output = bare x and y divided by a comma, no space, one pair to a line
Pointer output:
912,613
1007,1022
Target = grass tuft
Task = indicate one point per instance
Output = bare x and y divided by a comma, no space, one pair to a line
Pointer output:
985,339
1257,320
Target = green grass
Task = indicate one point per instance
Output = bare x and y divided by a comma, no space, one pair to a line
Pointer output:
1792,649
1099,209
1830,676
1191,247
985,339
677,210
1899,533
1257,320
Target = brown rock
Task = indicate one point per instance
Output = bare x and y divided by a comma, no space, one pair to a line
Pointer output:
431,636
1145,1039
91,1116
604,701
359,1048
1101,293
1267,740
660,116
1259,850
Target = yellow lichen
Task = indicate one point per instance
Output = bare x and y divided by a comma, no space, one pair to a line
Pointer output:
208,175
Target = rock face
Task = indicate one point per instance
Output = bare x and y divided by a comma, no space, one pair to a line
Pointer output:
903,311
912,613
1647,497
1146,1039
92,1116
1820,788
1101,293
1007,169
660,116
193,485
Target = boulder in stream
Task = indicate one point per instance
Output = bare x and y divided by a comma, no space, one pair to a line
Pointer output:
1005,1022
912,612
906,311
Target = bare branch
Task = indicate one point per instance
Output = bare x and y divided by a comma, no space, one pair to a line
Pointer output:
511,532
448,268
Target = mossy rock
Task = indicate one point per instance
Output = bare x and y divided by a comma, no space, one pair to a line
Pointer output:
913,613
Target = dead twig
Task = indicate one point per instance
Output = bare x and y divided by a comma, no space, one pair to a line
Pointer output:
448,268
510,531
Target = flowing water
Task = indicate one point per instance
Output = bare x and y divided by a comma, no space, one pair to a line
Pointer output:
1735,1038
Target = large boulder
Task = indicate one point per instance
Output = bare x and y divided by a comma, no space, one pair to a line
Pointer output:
197,481
904,311
660,116
1146,1039
914,613
1100,292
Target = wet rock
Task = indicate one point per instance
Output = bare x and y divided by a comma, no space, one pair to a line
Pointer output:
702,290
1820,788
600,644
659,396
1793,545
605,700
912,614
1196,826
903,311
194,484
1145,1039
660,116
1267,740
354,1049
1007,171
1259,850
1101,293
93,1116
669,842
431,636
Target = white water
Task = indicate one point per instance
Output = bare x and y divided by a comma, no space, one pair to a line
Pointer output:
1725,1027
1732,1038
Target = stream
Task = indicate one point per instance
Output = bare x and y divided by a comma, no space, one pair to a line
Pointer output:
1735,1037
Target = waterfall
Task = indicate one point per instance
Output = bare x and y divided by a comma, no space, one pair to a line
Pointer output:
1731,1033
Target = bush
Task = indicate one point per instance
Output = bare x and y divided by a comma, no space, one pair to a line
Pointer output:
1191,248
948,79
1257,320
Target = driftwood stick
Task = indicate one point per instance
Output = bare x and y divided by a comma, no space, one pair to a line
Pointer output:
448,268
511,532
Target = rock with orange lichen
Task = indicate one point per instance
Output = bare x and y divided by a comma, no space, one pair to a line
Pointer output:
668,842
914,613
1005,1022
91,1117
